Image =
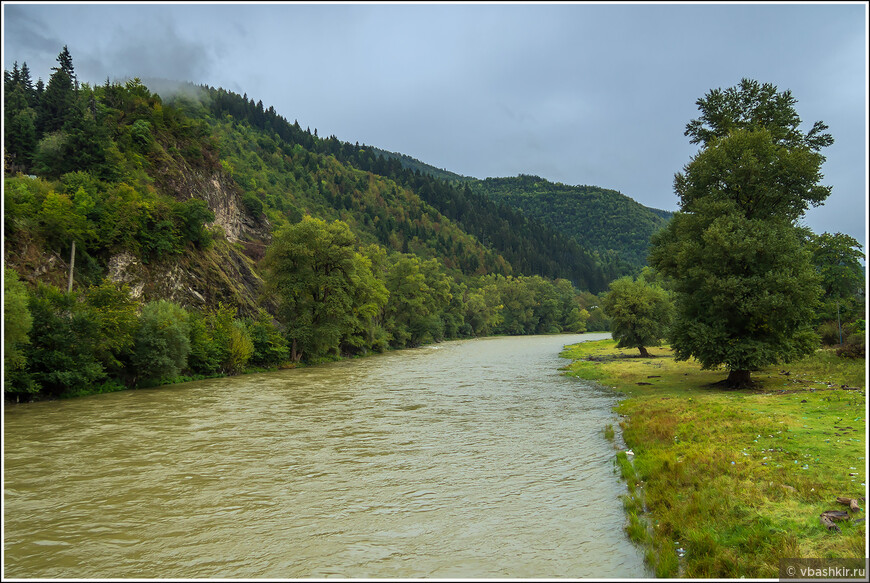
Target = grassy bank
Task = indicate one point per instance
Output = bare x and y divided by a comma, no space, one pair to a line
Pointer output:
725,483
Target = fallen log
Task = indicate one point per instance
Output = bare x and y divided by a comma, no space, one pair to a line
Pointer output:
836,514
850,502
828,523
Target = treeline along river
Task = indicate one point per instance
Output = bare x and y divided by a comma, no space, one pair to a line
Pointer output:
465,459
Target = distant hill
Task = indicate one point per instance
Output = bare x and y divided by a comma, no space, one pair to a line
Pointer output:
600,219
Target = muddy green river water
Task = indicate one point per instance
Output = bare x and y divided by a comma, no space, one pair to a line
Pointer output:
465,459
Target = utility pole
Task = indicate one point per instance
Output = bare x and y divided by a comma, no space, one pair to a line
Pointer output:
839,329
72,265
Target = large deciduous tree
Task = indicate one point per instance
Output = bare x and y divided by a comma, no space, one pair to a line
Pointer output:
745,289
324,286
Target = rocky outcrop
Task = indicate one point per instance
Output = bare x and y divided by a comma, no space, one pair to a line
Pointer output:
199,279
225,272
224,198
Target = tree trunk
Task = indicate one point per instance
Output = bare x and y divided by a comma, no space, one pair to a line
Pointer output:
828,523
738,379
643,351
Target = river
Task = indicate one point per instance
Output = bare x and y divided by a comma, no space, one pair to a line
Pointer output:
465,459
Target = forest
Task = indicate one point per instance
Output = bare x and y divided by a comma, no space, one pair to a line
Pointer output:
151,238
602,220
346,252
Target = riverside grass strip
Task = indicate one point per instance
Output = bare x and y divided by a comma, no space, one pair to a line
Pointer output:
725,483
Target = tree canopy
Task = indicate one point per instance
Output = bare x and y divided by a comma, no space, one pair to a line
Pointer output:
745,289
640,313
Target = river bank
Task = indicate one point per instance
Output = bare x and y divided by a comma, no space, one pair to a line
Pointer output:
725,483
114,387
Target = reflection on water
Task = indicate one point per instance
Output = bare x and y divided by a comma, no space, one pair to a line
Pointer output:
465,459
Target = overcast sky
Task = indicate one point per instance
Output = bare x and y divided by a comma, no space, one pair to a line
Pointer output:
578,93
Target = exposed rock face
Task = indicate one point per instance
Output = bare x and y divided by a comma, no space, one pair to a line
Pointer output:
224,198
199,279
124,268
225,272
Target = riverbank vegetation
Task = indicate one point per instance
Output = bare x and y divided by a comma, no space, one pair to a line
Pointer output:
207,235
725,483
346,301
727,476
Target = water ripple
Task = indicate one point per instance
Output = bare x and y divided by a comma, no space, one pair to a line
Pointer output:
473,460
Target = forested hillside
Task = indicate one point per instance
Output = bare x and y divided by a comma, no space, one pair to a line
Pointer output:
206,234
529,246
600,219
416,165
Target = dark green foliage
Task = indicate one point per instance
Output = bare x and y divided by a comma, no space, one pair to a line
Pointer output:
419,295
65,343
253,205
527,305
79,343
854,345
192,215
56,105
837,259
384,158
640,313
115,312
17,322
205,353
761,177
746,291
270,346
220,343
829,333
323,285
162,342
750,106
616,227
19,126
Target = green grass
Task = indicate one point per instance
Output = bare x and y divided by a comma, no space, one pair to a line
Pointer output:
736,478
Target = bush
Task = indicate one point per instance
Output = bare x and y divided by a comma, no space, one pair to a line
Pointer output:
240,348
829,332
854,342
64,343
205,354
253,205
162,342
17,323
270,347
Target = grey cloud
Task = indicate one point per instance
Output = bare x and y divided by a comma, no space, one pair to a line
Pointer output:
26,33
160,51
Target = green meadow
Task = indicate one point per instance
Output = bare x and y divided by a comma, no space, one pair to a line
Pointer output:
725,483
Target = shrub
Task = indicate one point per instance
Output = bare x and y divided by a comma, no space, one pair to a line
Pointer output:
162,342
854,341
270,346
64,343
829,332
